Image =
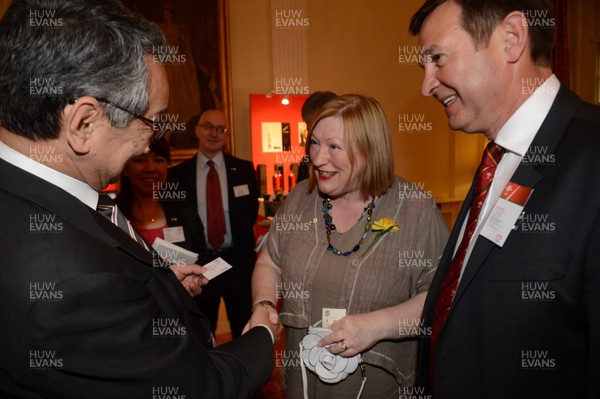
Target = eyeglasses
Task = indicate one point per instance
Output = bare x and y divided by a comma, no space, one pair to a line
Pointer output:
209,127
159,129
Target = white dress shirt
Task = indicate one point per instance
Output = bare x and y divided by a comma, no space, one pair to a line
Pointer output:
515,137
201,173
80,190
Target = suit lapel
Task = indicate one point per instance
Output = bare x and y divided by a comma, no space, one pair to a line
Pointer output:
67,207
116,237
527,174
232,174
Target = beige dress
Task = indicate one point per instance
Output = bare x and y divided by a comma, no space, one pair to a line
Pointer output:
398,267
326,293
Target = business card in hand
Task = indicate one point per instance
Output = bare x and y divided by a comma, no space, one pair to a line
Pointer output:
174,253
215,268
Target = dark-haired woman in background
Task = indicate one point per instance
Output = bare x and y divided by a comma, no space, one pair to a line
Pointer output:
154,207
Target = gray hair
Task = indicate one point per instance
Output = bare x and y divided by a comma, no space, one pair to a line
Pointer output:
54,51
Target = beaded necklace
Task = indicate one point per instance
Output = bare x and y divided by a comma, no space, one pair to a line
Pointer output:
329,227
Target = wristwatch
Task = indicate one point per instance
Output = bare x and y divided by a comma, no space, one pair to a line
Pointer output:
265,303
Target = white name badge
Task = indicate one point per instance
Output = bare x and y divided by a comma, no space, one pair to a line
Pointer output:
331,315
174,253
215,268
240,191
506,212
174,234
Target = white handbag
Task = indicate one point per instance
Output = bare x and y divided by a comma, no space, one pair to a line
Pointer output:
328,367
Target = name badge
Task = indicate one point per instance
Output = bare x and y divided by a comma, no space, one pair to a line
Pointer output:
240,191
174,234
331,315
215,268
506,212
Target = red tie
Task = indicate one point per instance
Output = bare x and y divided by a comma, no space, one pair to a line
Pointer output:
214,208
485,176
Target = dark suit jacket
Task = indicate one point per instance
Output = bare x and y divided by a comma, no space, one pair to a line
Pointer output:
243,210
525,321
182,214
84,312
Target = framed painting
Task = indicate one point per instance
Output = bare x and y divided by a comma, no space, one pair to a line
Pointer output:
197,63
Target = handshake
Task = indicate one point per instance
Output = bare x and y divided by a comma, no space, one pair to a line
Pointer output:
265,314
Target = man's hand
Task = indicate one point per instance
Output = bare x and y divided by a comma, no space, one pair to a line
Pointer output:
191,277
268,317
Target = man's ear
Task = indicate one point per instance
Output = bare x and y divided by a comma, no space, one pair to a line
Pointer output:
515,30
82,119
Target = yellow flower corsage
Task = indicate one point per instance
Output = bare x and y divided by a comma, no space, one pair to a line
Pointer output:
382,227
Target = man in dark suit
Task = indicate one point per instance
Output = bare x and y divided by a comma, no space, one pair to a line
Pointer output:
513,308
237,197
87,311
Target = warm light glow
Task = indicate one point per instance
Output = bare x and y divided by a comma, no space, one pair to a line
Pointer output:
285,100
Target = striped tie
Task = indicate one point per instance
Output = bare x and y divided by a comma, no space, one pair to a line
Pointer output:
485,175
108,209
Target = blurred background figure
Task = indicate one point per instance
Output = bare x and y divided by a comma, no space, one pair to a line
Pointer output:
223,191
156,208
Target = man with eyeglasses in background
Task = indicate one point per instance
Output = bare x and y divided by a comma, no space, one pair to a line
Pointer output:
226,197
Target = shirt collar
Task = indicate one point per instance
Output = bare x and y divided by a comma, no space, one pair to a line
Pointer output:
219,160
76,188
519,131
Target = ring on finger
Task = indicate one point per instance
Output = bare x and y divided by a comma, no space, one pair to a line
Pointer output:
343,345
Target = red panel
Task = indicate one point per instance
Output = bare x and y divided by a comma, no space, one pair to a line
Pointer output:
270,109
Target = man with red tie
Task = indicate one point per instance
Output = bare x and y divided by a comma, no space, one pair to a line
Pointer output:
224,191
513,307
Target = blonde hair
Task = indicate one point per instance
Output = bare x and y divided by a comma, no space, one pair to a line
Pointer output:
366,135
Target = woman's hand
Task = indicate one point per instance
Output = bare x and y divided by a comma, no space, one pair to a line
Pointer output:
357,333
352,334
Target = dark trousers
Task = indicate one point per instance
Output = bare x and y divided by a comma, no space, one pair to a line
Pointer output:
234,286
